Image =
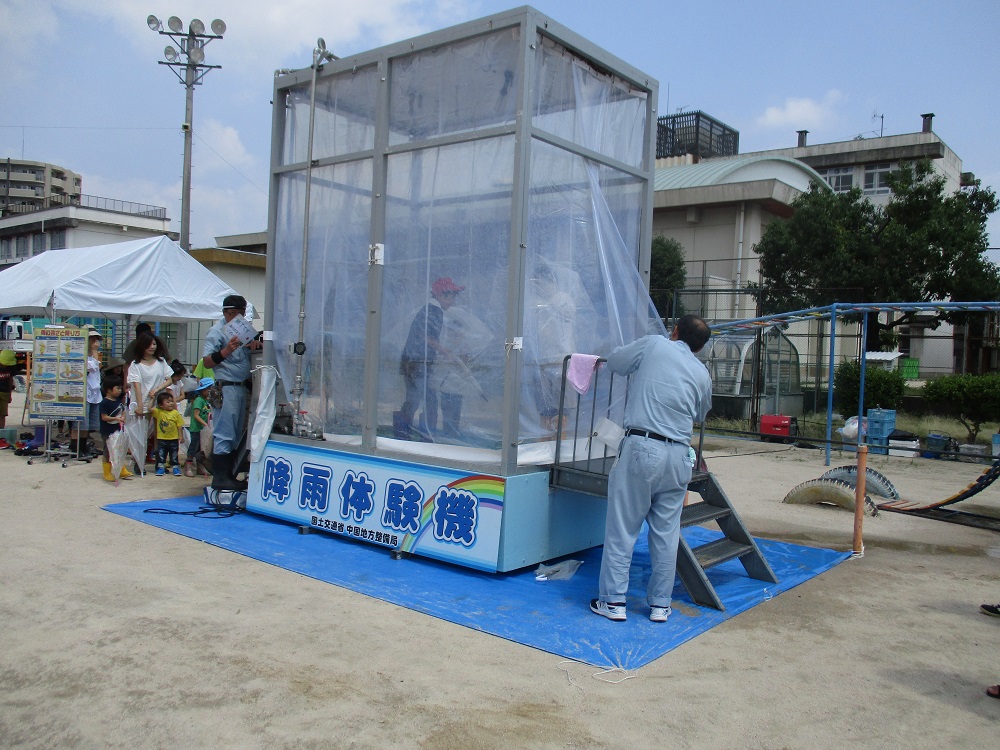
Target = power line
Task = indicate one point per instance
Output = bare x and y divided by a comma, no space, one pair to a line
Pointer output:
122,127
202,141
80,127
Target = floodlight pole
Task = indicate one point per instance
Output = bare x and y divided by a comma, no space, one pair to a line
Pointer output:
186,179
189,55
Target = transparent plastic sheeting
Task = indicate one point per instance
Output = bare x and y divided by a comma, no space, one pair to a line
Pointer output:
344,121
459,87
336,291
588,107
448,215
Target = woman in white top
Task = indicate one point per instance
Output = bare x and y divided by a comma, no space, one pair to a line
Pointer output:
149,374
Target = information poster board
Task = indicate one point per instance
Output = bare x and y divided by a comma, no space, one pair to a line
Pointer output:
59,374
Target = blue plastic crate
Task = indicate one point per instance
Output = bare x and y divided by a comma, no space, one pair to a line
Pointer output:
881,422
879,445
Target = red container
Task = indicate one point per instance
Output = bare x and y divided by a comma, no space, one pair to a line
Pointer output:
776,424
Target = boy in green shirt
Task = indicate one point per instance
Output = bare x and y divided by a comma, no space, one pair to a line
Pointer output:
201,410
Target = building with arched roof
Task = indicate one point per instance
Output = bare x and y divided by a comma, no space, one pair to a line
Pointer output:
718,210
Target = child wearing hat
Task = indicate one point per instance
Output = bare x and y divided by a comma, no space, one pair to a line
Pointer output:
200,412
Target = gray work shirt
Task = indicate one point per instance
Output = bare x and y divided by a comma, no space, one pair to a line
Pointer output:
669,390
235,367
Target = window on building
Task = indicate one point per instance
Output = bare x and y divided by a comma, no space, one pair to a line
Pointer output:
840,179
21,247
877,179
5,250
57,240
38,244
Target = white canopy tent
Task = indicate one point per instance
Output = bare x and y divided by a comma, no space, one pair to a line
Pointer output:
151,279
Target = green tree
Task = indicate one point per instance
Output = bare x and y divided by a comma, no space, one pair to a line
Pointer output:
666,274
971,399
925,245
884,389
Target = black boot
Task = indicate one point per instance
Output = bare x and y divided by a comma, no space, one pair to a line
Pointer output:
222,473
400,427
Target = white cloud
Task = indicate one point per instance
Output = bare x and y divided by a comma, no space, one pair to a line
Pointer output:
263,35
225,150
25,28
803,114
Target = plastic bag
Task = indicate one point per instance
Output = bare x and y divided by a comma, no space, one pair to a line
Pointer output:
850,428
206,437
137,431
560,571
609,433
117,451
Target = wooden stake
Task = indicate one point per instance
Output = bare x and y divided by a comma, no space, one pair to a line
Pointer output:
859,500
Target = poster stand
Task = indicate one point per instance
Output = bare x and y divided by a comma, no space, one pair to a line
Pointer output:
57,386
52,451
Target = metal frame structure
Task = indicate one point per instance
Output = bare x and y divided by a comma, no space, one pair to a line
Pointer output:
836,310
530,26
695,133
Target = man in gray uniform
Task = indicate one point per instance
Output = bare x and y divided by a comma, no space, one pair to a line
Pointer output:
231,362
669,390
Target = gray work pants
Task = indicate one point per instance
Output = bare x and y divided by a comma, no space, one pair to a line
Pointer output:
648,483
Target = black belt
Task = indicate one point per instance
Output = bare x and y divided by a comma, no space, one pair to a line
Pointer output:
224,383
652,436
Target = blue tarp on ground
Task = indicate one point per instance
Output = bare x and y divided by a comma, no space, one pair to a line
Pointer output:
553,615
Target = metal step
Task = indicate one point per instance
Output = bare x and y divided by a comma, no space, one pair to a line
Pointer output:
697,514
719,551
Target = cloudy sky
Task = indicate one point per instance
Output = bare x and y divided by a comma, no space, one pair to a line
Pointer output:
81,86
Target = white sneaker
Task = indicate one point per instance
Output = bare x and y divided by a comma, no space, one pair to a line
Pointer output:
659,614
615,611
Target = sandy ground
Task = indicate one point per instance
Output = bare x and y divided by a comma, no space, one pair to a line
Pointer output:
116,634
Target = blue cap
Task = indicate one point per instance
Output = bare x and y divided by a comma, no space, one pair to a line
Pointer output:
204,383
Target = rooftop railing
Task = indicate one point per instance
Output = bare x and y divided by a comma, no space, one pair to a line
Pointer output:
83,201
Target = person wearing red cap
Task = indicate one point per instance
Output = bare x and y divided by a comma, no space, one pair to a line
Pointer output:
420,352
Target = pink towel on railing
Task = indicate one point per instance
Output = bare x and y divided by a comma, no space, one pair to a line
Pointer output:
581,371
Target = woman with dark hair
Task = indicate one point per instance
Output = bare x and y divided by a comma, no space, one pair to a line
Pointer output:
148,374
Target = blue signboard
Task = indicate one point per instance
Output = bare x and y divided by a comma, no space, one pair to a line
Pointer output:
447,514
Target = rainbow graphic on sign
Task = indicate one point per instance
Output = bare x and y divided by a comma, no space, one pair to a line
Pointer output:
488,490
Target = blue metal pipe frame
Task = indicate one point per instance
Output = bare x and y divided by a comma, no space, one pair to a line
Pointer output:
844,308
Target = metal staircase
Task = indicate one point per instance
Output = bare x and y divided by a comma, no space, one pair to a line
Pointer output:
736,543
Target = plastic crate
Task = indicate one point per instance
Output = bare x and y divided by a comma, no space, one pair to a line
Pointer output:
939,441
881,422
909,368
879,445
